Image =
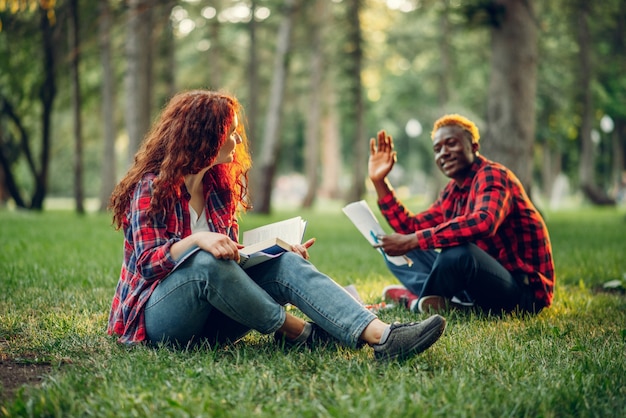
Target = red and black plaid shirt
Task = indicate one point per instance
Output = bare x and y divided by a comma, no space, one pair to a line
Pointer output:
492,210
147,258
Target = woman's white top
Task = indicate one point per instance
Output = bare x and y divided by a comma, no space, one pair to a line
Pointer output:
198,223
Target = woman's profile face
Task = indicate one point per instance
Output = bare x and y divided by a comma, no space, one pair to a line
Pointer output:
226,154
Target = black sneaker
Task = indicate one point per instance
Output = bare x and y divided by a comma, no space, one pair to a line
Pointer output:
406,340
318,337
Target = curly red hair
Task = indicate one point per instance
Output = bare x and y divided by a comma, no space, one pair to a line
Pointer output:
458,120
185,139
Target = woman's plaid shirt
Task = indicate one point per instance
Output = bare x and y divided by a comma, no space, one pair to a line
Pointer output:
147,258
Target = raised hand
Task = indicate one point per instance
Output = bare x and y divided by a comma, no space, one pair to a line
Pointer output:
382,157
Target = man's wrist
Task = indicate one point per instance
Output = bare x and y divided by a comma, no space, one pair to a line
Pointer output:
382,187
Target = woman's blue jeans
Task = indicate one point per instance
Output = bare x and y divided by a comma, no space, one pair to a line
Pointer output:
206,299
465,269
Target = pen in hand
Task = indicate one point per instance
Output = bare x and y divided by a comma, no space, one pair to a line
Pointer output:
377,238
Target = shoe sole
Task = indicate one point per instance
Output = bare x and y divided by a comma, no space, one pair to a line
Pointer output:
429,337
428,304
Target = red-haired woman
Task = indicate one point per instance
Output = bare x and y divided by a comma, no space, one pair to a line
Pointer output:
180,282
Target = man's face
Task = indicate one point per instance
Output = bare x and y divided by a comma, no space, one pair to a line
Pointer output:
454,151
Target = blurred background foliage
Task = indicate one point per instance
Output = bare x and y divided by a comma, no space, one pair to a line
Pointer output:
401,63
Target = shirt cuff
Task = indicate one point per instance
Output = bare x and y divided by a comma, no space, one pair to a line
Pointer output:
387,199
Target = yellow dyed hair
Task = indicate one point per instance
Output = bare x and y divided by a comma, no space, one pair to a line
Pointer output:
459,120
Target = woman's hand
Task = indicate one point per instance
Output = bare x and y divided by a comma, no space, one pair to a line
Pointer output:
220,245
301,249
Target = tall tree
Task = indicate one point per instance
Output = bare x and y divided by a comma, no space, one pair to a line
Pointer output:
108,161
332,163
445,77
512,86
608,24
74,49
585,100
47,94
215,53
165,50
138,79
253,75
19,143
313,115
355,64
618,89
252,108
268,160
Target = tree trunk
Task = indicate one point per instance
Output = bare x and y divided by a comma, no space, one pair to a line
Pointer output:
47,94
138,73
107,171
513,82
619,133
8,180
586,170
445,81
215,52
617,140
6,108
253,79
165,48
359,141
330,146
314,108
445,71
4,192
271,136
74,46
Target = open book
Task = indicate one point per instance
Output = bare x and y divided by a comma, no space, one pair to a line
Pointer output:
270,241
363,218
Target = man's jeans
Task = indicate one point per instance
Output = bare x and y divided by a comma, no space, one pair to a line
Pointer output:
216,300
465,269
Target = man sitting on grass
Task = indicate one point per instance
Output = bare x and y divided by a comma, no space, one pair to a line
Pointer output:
482,242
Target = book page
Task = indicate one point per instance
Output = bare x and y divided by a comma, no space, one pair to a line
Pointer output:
363,218
289,230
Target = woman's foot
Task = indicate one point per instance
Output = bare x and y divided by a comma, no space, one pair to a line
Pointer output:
406,340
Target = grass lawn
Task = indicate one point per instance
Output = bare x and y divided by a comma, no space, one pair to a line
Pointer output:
58,273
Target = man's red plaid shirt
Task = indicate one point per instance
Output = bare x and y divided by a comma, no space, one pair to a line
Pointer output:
492,210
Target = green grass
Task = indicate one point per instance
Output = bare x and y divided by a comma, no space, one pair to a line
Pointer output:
58,273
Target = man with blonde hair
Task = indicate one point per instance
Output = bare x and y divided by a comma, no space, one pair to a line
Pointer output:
481,243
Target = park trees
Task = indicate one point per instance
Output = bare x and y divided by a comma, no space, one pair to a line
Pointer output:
512,86
352,67
268,158
31,39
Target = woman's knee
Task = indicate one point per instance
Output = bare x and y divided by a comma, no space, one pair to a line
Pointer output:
205,264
